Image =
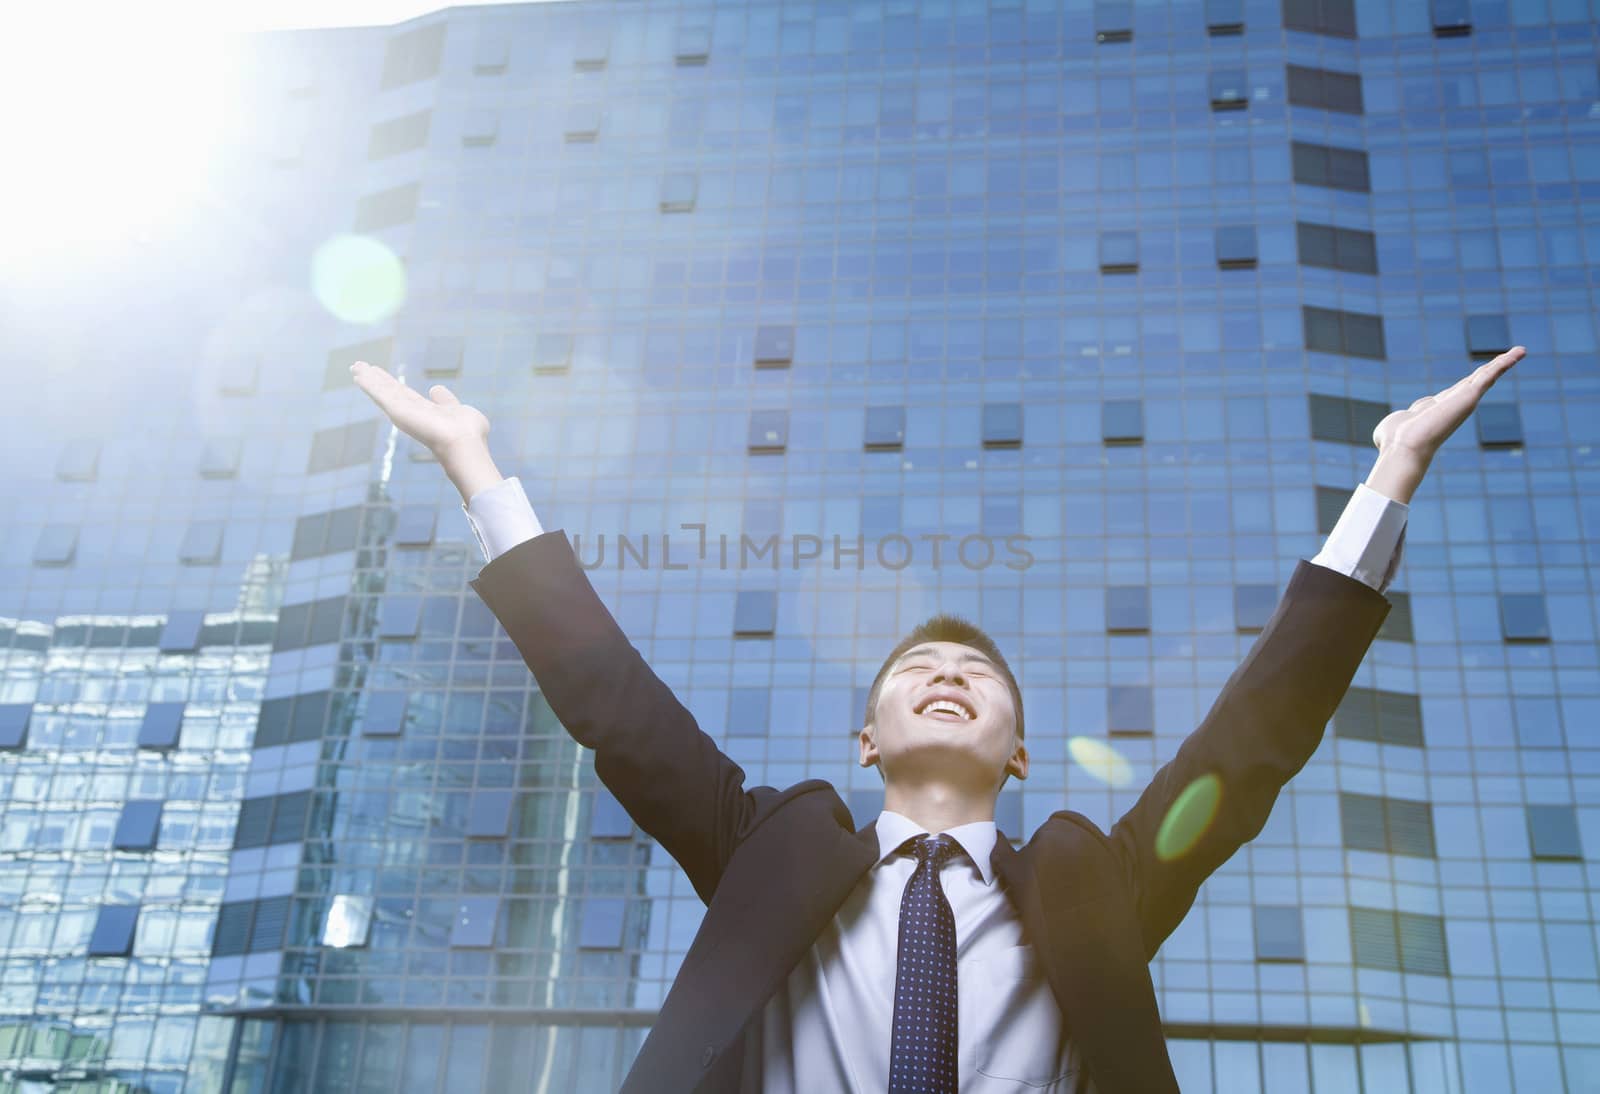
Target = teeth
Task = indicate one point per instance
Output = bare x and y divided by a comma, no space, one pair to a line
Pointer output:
948,707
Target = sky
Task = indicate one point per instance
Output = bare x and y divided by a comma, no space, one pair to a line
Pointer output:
238,15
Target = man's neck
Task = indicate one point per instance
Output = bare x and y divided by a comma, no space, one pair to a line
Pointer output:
938,807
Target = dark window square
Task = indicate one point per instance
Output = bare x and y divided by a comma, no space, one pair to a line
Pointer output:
1450,17
1422,944
412,56
267,929
1410,827
609,819
289,817
1323,331
56,546
1119,251
552,353
159,729
600,924
386,714
1363,335
693,46
748,711
399,616
201,544
1499,425
769,431
1347,170
1522,617
490,814
1487,335
1310,163
1316,245
1236,246
336,374
254,826
113,931
137,826
1002,425
592,48
181,631
231,936
678,192
1372,937
1341,91
442,355
14,725
1280,934
1364,418
1330,418
1130,709
1357,250
582,124
1230,90
1361,819
415,525
1553,832
1127,608
479,129
1122,421
774,346
1225,16
885,428
1253,606
755,612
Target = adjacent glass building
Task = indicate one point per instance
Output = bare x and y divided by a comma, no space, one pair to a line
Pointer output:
806,320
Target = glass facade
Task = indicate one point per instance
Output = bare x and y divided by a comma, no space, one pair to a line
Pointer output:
805,321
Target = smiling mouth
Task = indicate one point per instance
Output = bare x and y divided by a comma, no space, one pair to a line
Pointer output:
947,710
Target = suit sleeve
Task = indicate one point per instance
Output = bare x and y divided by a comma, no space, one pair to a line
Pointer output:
1264,725
649,751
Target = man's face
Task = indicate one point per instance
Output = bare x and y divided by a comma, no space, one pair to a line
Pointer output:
944,711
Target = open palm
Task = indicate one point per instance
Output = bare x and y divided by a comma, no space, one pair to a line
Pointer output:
440,421
1426,424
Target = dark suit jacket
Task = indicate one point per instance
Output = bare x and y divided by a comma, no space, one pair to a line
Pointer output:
774,865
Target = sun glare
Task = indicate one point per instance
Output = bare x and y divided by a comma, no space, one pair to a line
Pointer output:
115,120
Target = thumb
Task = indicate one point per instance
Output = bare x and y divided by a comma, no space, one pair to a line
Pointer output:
443,396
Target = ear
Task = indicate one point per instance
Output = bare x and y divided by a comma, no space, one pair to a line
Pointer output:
1018,764
869,747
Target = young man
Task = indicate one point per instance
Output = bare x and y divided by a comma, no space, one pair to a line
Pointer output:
922,952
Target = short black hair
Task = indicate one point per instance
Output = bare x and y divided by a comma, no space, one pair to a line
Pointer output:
947,628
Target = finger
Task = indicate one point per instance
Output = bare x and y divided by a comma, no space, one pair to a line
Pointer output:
390,394
443,395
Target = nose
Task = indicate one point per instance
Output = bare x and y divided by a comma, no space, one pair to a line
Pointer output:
949,672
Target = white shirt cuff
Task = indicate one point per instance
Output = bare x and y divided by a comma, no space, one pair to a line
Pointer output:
1368,540
501,517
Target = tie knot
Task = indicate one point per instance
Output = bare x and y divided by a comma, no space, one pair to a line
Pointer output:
934,850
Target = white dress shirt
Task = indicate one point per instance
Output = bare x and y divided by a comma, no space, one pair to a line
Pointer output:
828,1028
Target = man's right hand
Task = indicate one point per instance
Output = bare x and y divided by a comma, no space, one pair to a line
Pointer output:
442,423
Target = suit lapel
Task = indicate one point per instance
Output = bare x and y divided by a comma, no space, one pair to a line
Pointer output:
782,887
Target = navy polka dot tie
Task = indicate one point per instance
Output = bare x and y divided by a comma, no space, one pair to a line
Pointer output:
922,1046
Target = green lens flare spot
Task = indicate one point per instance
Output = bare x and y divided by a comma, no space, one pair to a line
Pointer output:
1100,760
1189,818
358,279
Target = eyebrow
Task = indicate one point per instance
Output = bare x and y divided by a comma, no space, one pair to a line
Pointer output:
970,655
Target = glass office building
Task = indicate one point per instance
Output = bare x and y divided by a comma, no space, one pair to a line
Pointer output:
805,320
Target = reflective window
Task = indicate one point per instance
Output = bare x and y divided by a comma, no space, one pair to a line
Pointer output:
1324,89
475,921
1236,246
600,923
1002,425
678,192
1122,421
413,55
1324,165
1229,89
1499,425
1119,251
1130,709
1390,825
774,346
769,431
1336,18
749,711
159,727
885,428
1488,335
490,814
609,820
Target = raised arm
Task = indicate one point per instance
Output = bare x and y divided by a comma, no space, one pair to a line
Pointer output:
1271,713
649,751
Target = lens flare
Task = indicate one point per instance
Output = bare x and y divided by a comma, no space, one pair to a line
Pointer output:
1100,760
1189,818
358,279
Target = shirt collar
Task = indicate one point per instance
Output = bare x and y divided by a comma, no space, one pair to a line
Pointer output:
976,839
